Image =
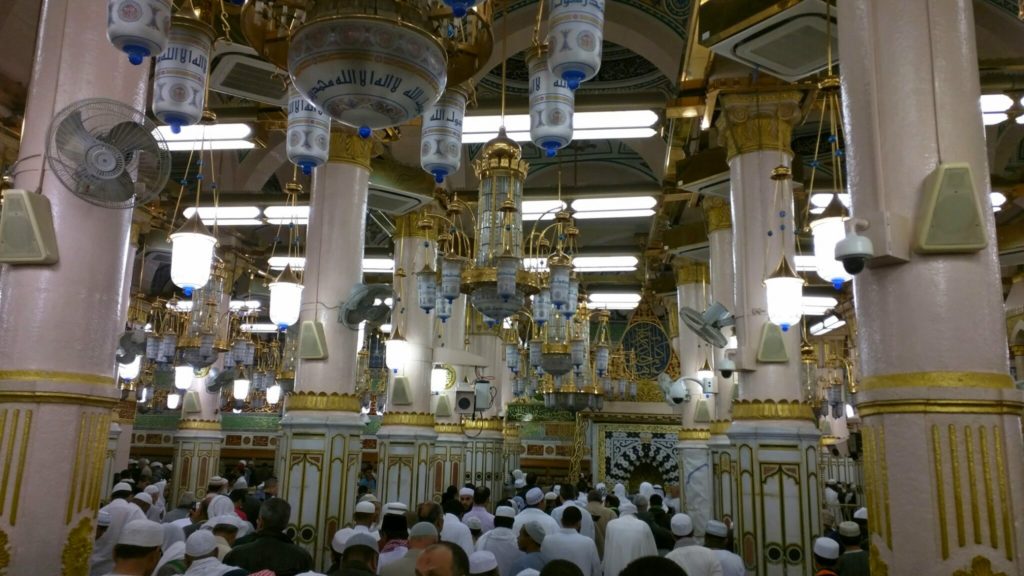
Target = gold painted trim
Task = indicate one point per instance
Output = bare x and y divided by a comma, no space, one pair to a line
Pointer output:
880,407
986,475
492,424
321,401
447,428
423,419
692,273
74,558
350,148
940,489
958,498
938,380
717,214
1004,492
694,434
56,376
972,484
772,410
209,425
980,566
720,427
40,397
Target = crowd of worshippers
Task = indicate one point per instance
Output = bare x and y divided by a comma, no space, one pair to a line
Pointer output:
531,532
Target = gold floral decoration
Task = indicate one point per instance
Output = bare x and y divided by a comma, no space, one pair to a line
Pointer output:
74,559
5,553
697,434
493,424
771,410
424,419
980,566
322,401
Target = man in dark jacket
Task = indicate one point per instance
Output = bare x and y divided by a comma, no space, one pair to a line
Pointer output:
270,548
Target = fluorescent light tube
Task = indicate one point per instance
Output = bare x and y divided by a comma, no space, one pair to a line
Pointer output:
233,131
224,212
805,263
286,212
995,102
615,298
279,262
597,263
378,265
618,203
596,134
541,209
298,263
608,214
260,328
187,145
287,221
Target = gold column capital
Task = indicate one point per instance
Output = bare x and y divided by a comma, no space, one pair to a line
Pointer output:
418,419
944,379
719,427
772,410
408,226
694,435
758,121
321,401
349,148
717,214
690,272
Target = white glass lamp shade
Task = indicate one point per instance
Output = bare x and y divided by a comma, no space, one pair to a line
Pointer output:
191,256
542,307
574,295
443,308
578,352
551,106
183,376
575,35
274,394
309,133
240,388
512,357
426,289
536,352
285,299
441,137
180,76
785,291
173,401
828,232
601,357
367,71
451,278
507,267
130,371
139,28
705,373
438,379
559,283
395,350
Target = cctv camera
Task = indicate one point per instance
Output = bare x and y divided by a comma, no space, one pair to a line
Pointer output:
677,393
854,251
725,366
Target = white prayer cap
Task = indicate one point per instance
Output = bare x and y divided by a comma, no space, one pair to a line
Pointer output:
129,481
551,496
170,466
827,548
520,483
395,508
482,561
557,489
220,505
361,539
217,481
367,498
143,497
133,461
157,465
682,525
716,528
465,491
200,543
535,530
103,518
340,537
849,529
121,487
619,490
240,484
517,473
830,481
241,462
695,560
534,496
861,514
365,507
473,523
528,572
627,507
153,489
600,487
505,512
230,520
142,533
646,489
423,530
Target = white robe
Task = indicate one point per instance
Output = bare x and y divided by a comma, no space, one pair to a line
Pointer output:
390,556
502,543
832,503
732,564
208,567
696,561
457,533
535,515
568,544
626,539
586,525
121,512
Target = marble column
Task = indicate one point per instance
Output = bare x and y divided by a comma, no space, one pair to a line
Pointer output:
941,420
774,434
57,386
322,425
447,464
407,429
484,453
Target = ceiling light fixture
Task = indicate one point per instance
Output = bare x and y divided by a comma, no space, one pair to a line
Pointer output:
259,328
207,137
370,265
825,326
612,124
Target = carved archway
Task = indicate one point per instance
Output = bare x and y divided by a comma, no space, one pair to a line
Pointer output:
629,452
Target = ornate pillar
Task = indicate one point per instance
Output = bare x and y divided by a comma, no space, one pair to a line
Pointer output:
774,433
52,377
407,429
448,460
322,425
484,453
512,449
941,421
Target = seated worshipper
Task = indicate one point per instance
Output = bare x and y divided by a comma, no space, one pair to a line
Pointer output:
422,535
394,537
270,548
120,512
826,556
601,517
716,537
533,513
358,557
180,514
201,557
854,560
653,566
479,509
561,568
662,537
474,528
696,560
627,539
569,544
530,541
567,496
443,559
482,563
501,541
682,529
137,551
172,559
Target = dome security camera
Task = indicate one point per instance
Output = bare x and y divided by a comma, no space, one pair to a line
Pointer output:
855,250
678,393
726,366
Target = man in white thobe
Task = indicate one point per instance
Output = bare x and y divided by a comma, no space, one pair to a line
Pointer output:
501,541
568,544
201,557
696,561
533,513
568,498
716,535
121,512
832,499
627,539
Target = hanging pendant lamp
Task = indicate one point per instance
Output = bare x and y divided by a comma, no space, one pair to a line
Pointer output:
191,255
285,299
828,230
785,292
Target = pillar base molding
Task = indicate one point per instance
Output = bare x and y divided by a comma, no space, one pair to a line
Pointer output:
694,435
404,457
771,410
322,401
696,490
409,419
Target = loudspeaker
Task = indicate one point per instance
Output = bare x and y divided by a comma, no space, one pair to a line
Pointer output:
465,401
950,218
26,229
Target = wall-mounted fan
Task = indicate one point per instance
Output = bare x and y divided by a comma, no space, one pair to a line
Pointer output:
366,302
108,153
708,326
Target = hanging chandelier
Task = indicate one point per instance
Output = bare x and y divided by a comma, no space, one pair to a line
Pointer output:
783,286
180,75
139,28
